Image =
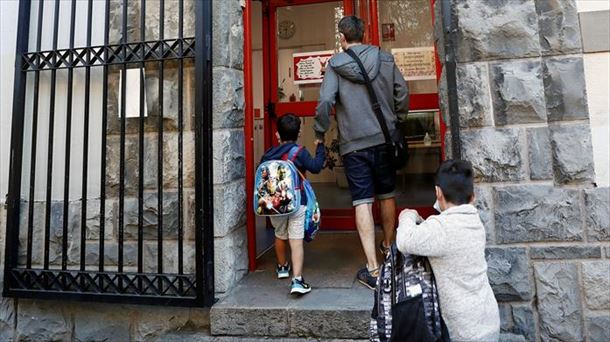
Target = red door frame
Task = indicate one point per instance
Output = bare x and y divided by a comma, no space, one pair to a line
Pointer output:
338,218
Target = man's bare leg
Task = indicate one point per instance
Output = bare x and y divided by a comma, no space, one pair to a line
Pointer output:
366,230
388,220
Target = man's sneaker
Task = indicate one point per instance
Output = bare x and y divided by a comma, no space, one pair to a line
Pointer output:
367,278
299,286
283,272
383,249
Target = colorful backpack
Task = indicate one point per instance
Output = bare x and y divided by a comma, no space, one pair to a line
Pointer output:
278,188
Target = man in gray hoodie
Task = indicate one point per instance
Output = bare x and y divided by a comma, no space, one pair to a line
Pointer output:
368,165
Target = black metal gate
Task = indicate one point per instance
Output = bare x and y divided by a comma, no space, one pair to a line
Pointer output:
129,216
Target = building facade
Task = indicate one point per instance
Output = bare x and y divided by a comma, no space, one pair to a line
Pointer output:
530,108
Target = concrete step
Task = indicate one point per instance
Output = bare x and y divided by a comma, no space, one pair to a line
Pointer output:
325,313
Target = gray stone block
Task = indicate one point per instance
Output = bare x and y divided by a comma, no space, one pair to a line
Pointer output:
150,216
496,30
229,208
525,213
598,327
229,160
227,34
102,322
517,322
559,303
597,214
565,89
483,203
596,283
230,259
228,107
253,322
572,154
474,99
509,337
495,154
40,320
565,252
540,153
518,92
508,272
155,322
7,318
559,27
329,323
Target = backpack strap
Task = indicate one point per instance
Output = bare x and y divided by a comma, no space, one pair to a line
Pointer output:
293,153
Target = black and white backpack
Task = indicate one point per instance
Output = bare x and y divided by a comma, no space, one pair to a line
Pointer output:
406,301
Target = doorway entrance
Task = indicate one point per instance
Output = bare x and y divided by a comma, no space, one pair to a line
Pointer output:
291,40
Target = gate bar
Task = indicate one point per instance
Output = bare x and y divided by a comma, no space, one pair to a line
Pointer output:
104,128
160,148
64,236
83,217
180,140
122,144
141,146
16,154
47,225
32,195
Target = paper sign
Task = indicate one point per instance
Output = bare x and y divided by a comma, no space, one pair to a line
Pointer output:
309,66
416,63
132,93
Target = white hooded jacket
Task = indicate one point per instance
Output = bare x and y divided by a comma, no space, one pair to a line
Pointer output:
454,241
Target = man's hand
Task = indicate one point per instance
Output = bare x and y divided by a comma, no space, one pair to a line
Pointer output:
410,213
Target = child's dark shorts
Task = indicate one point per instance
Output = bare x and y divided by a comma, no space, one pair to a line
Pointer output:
370,173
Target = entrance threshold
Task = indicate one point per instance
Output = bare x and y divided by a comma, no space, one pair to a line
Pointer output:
338,307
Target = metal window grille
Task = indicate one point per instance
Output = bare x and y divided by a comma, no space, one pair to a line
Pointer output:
145,235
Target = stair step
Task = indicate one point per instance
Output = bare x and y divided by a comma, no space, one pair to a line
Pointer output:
325,313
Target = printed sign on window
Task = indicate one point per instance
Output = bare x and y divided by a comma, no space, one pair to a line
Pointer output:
309,67
416,63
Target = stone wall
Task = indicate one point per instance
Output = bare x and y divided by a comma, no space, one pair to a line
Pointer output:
34,320
524,125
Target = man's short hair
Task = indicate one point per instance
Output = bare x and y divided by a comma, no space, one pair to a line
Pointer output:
352,28
288,126
455,178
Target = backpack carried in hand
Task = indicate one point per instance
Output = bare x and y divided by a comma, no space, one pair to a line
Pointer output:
406,301
278,188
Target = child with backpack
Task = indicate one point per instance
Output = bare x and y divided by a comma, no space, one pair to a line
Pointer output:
289,228
454,243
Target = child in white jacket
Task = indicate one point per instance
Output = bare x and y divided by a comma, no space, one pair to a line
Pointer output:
454,241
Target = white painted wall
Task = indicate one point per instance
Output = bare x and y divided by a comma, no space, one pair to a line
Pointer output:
597,77
592,5
8,18
8,32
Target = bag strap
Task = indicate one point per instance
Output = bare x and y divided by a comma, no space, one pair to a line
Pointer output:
373,96
292,153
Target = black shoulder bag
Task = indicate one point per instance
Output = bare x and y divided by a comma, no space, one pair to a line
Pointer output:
398,148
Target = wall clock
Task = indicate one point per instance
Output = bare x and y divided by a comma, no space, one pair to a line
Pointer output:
286,29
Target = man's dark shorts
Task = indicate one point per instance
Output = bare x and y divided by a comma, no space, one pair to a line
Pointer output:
370,173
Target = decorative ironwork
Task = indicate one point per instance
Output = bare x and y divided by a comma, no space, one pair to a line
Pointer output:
47,259
137,52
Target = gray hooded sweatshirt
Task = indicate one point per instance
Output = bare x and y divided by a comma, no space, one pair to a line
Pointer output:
343,88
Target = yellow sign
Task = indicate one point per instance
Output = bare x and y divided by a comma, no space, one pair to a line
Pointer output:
416,63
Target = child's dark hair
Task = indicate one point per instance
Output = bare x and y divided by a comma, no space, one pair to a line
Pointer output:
288,126
455,178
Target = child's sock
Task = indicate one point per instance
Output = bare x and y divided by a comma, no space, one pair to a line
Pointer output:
299,278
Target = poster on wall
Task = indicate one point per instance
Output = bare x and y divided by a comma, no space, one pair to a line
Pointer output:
388,33
309,66
416,63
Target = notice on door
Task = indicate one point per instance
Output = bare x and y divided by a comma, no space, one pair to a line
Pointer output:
309,67
416,63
